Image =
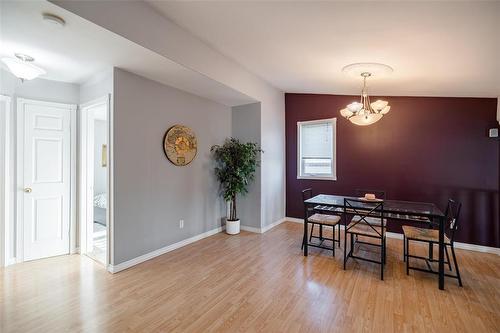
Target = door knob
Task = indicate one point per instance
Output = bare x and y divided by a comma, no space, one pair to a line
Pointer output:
28,190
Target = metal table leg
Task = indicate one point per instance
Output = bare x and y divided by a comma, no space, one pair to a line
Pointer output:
441,253
306,239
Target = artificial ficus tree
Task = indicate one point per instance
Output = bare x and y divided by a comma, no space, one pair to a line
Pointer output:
235,169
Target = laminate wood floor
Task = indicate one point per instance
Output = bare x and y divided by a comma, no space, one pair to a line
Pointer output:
249,283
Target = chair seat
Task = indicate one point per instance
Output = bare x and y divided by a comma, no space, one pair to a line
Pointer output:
427,235
364,229
372,220
324,219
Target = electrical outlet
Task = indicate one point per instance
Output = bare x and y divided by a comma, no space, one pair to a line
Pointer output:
181,224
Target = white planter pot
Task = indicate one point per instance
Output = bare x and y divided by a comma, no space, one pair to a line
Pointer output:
232,227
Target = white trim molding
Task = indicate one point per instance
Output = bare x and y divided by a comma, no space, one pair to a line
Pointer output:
458,245
251,229
85,171
153,254
263,229
6,220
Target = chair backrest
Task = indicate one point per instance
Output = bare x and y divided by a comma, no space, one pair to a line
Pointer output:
452,214
307,193
364,209
379,194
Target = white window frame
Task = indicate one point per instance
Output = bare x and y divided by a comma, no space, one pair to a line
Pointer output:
333,121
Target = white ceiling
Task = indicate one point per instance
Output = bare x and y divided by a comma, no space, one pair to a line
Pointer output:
82,49
436,48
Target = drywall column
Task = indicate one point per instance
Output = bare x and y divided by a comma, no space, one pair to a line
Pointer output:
246,124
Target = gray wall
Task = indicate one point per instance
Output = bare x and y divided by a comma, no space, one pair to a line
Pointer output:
39,89
151,194
97,86
246,128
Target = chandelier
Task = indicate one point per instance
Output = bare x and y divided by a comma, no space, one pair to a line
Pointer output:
22,67
364,112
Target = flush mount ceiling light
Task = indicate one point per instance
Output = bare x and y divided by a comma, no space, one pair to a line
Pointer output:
364,113
22,67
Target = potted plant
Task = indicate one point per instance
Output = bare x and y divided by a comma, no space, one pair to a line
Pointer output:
235,169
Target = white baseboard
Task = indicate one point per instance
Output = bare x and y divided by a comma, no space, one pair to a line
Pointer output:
477,248
272,225
251,229
163,250
294,220
463,246
10,261
263,229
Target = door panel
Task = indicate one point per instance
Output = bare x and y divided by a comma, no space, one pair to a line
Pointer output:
46,178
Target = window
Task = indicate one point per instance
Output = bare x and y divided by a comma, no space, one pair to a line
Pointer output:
316,149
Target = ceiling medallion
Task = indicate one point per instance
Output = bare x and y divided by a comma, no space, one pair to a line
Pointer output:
364,112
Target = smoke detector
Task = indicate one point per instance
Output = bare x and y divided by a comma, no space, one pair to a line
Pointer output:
53,20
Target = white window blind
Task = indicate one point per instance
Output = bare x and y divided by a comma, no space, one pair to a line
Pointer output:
316,149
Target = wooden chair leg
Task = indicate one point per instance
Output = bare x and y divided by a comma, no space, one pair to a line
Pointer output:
321,231
456,266
447,257
303,241
312,229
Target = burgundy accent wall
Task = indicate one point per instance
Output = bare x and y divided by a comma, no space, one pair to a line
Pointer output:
426,149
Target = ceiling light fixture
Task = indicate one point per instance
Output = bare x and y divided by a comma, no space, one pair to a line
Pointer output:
364,113
22,67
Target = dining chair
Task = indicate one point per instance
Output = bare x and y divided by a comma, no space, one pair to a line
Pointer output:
365,226
431,236
315,217
379,195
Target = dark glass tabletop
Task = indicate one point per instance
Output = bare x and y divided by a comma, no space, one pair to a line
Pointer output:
394,208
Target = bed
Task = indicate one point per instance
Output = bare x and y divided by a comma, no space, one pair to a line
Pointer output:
100,203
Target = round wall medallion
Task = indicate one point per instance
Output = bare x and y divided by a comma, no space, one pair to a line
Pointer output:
180,145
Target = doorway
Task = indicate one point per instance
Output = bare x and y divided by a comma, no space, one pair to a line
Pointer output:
45,191
5,179
94,217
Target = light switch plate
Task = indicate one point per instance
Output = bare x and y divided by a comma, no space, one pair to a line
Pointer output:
493,132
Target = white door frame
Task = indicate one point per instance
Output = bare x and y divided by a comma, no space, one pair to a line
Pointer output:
85,198
5,215
20,172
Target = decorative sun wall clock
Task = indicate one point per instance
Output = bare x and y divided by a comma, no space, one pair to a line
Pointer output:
180,145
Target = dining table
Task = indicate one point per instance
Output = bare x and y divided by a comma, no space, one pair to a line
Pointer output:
394,210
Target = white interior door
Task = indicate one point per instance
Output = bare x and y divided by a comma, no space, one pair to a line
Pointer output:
46,177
